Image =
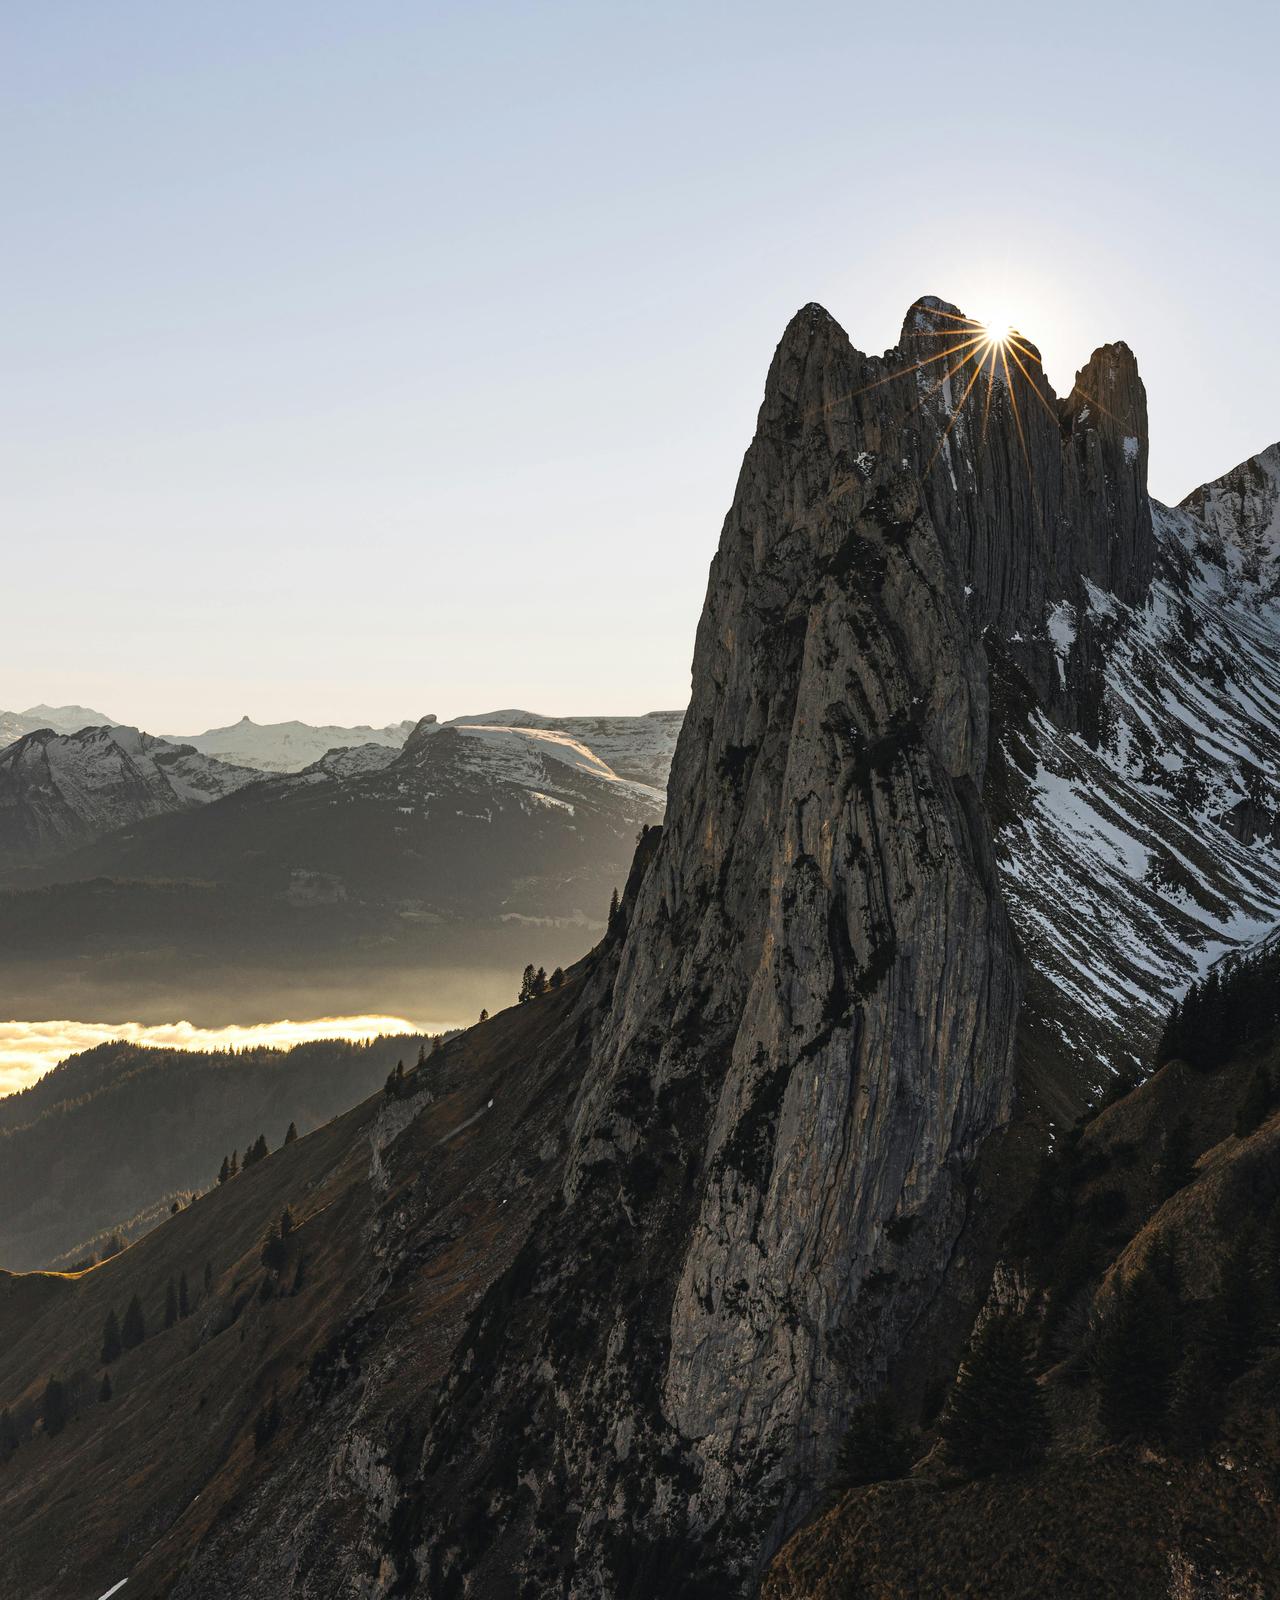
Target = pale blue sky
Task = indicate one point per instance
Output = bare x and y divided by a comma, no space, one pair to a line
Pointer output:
372,358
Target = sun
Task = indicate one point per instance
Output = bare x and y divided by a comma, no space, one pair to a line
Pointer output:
996,332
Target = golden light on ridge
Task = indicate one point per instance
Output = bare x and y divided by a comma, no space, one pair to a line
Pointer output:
976,365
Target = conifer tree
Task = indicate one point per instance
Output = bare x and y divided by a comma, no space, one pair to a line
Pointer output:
134,1328
235,1164
484,1014
875,1447
1243,1306
272,1254
526,985
53,1407
174,1209
184,1297
291,1133
422,1054
540,981
224,1171
1195,1411
557,978
995,1419
613,909
1135,1357
104,1389
170,1304
111,1345
1176,1166
1255,1103
1171,1039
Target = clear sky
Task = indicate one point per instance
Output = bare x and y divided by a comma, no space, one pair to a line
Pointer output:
372,358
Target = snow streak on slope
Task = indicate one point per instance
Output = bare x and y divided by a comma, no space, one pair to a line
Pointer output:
1133,862
520,755
639,748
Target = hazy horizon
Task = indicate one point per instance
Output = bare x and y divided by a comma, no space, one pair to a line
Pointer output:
375,364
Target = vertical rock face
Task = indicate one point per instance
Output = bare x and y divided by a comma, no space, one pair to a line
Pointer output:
801,1027
1035,497
830,892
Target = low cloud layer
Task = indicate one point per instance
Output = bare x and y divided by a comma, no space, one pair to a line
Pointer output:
29,1049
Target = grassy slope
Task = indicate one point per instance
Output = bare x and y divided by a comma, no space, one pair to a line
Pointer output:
130,1487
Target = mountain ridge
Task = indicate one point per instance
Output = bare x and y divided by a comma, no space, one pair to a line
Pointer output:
56,790
592,1305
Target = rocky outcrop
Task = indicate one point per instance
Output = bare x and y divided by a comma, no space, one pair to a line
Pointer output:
1241,510
801,1032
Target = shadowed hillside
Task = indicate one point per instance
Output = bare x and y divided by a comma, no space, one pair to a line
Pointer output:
1145,1271
117,1132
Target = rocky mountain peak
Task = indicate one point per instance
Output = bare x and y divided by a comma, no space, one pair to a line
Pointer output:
805,1012
425,728
1241,509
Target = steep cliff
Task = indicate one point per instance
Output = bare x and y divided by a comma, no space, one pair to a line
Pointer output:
633,1254
806,1033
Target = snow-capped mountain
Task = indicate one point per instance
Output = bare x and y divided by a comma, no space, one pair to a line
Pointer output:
1242,508
62,719
1132,859
464,822
58,790
639,748
287,746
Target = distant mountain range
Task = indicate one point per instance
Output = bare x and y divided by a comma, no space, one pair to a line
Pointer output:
58,790
464,822
288,746
635,747
62,719
146,874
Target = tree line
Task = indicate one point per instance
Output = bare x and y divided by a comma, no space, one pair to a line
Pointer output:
259,1150
1233,1005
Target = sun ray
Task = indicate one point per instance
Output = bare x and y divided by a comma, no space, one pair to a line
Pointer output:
955,415
1032,385
991,384
1017,417
949,373
827,406
1084,393
955,316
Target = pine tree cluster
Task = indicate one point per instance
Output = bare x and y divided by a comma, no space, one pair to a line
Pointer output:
995,1419
533,984
1235,1005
